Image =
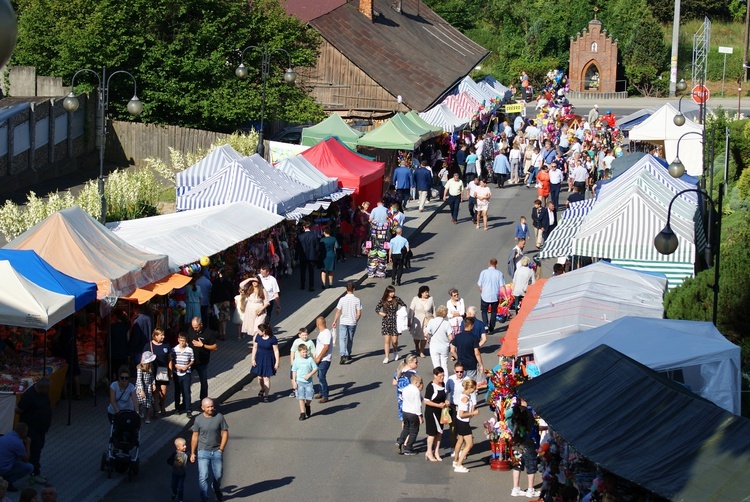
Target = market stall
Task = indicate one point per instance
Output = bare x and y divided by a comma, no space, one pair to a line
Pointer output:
333,126
353,171
187,236
442,116
196,174
592,296
304,172
392,135
76,244
659,129
695,352
622,416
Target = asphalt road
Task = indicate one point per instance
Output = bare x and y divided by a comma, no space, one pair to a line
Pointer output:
345,451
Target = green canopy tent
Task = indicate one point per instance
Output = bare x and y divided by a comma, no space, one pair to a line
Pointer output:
420,122
332,126
393,135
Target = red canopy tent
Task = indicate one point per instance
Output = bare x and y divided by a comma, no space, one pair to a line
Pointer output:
335,160
510,341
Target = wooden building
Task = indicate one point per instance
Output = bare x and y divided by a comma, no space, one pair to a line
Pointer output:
382,56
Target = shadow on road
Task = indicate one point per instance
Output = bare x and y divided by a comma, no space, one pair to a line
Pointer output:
236,492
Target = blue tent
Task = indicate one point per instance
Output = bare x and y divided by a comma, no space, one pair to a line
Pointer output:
35,269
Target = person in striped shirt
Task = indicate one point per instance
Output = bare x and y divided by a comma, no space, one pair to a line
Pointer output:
182,360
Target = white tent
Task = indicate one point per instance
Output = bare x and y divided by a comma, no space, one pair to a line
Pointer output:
589,297
23,303
659,128
482,94
187,236
709,363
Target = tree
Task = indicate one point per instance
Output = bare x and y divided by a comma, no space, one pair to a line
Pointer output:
182,53
645,56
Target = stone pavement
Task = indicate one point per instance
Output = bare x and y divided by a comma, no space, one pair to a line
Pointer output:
72,454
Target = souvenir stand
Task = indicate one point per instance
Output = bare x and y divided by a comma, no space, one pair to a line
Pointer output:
28,312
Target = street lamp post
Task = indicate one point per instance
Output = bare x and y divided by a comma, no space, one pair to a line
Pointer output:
135,107
265,72
676,167
666,241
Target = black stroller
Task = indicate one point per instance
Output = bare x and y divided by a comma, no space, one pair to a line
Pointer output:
124,445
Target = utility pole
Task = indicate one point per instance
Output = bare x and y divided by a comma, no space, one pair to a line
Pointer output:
675,48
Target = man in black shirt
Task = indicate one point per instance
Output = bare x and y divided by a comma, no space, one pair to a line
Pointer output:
203,341
35,410
575,196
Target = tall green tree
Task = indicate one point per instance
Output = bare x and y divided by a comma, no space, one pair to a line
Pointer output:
182,53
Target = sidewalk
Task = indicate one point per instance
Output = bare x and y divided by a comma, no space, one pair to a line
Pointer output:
72,454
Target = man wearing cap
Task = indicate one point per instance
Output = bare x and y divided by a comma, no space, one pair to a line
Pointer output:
593,115
403,180
207,445
35,410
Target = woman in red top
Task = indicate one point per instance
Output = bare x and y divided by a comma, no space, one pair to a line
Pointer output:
543,179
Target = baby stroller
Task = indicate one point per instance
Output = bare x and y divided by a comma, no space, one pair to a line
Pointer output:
124,445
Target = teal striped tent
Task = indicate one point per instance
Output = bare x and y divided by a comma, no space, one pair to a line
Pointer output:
559,243
623,228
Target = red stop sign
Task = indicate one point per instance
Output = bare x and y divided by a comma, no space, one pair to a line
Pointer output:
701,94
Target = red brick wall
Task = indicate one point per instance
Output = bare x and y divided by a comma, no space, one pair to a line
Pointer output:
583,53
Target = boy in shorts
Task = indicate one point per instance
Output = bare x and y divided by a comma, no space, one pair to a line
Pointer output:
302,338
303,369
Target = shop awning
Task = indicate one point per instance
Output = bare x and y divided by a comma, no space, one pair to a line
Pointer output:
35,269
160,288
187,236
645,428
462,105
76,244
509,346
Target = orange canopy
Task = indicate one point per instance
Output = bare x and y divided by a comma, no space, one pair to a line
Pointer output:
160,287
510,342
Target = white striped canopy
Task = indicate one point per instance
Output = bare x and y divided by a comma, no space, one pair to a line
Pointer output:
560,241
675,272
283,185
442,116
481,94
304,172
498,88
196,174
654,168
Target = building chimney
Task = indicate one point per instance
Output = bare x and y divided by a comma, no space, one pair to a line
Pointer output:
365,7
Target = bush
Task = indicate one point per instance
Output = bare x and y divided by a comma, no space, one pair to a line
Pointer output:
694,299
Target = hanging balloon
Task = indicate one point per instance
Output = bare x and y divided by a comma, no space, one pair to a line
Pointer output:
205,261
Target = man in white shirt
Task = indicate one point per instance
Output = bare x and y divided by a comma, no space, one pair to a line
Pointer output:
412,410
555,180
479,147
271,287
580,174
349,310
323,357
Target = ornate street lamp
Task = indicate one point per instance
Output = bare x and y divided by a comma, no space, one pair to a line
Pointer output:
135,107
241,73
676,167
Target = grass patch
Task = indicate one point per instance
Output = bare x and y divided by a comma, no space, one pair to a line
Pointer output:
168,195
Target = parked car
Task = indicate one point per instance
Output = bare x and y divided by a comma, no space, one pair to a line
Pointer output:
291,134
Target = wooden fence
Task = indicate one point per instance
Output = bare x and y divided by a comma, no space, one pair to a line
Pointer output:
133,141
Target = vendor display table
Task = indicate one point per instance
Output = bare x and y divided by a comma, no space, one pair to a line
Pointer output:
15,380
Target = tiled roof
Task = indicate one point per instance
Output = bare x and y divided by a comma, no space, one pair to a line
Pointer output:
306,10
418,56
